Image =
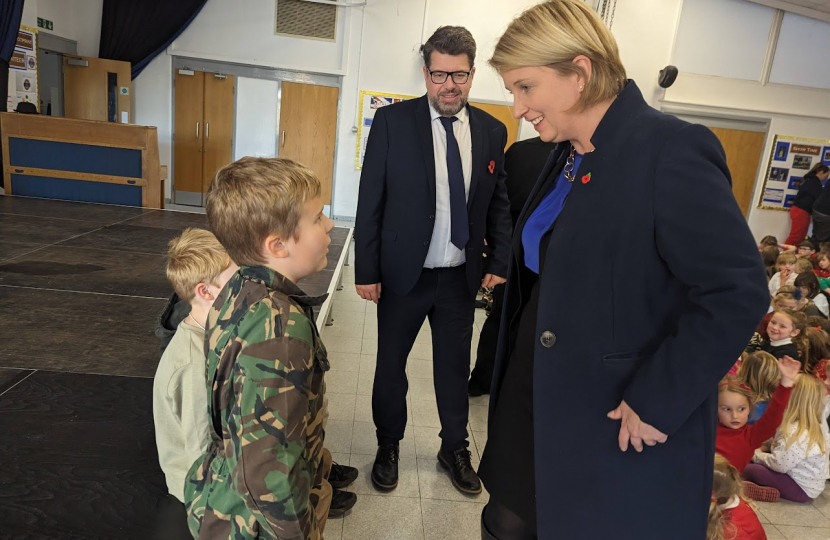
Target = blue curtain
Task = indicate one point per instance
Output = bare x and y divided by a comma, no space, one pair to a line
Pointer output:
11,11
137,31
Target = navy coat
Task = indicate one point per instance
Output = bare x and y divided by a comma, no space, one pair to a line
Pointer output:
396,202
652,286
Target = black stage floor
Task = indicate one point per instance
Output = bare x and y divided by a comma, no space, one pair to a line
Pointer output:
81,286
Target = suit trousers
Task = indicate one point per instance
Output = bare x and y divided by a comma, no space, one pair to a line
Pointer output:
442,296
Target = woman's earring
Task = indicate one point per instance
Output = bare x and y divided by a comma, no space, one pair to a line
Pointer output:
581,86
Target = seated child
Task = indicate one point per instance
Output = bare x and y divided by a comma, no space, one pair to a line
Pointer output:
803,264
805,250
730,516
797,463
759,371
265,469
822,269
785,335
198,268
770,255
736,440
783,299
785,272
813,302
818,354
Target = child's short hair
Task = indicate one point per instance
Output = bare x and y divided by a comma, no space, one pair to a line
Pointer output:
194,257
770,255
803,266
759,371
253,198
824,246
787,257
822,255
807,244
726,484
737,386
769,240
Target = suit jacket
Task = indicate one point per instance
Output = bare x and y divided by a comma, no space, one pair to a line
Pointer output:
396,202
655,313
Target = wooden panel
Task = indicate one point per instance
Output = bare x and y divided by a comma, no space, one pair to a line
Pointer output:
152,196
188,131
743,154
52,128
88,177
503,113
85,88
218,143
308,127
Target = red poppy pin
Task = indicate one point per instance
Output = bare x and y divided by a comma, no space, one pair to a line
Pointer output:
586,178
491,167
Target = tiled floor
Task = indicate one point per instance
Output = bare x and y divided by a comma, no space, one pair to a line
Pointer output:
425,506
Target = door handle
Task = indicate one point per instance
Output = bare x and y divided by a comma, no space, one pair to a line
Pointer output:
283,139
207,130
197,130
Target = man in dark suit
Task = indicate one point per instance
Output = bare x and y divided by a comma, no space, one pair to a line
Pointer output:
523,162
431,191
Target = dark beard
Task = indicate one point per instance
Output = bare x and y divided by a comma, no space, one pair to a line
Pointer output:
447,110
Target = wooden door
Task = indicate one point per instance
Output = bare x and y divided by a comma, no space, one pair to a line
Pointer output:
743,154
218,139
503,113
188,132
86,88
308,127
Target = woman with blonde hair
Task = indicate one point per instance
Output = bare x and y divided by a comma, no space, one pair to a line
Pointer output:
603,397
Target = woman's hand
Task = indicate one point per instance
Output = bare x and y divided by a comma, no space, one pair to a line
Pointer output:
634,430
789,368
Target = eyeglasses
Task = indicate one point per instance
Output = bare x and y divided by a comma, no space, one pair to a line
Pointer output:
440,77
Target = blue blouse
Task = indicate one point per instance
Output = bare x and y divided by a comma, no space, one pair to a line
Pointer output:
544,216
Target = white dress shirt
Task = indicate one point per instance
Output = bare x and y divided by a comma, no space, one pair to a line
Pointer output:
442,253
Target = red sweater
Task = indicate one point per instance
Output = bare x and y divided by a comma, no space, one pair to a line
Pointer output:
741,523
821,273
739,445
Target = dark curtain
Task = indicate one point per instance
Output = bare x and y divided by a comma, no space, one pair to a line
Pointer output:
11,11
136,32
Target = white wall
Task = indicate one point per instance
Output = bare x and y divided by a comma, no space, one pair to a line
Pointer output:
255,121
78,20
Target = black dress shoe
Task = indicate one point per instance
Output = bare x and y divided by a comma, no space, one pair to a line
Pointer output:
342,475
341,502
475,390
385,469
464,478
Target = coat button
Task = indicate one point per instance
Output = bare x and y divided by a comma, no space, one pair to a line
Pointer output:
548,339
426,242
432,217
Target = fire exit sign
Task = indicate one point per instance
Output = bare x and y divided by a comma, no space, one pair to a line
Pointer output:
45,24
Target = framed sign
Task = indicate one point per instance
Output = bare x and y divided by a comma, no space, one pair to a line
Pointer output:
791,159
370,102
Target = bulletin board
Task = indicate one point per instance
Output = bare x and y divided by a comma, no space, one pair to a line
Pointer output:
23,80
790,160
370,102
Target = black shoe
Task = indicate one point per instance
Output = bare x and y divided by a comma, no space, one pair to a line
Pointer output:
385,469
342,475
475,390
463,477
341,502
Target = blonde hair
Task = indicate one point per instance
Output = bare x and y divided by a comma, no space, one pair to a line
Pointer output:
804,413
737,386
726,484
552,34
803,265
787,257
759,371
253,198
194,257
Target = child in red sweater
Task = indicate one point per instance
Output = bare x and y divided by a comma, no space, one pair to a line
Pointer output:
730,517
737,441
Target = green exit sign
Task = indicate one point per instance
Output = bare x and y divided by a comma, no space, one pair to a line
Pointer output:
45,24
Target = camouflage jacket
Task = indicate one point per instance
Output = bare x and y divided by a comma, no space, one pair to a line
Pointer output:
265,367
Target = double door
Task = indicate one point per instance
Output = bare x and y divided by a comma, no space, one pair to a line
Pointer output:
203,132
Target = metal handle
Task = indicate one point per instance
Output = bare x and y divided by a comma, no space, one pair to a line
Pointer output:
207,130
283,139
197,130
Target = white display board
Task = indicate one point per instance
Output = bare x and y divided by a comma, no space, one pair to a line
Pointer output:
791,158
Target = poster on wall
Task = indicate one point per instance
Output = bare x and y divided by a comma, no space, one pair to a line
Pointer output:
23,79
370,102
790,159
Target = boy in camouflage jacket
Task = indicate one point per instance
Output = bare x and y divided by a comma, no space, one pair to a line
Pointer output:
264,474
